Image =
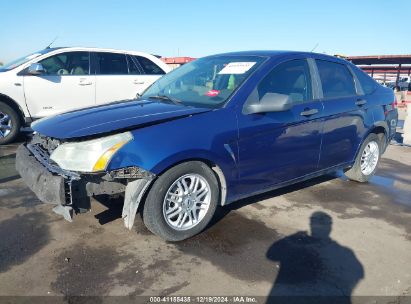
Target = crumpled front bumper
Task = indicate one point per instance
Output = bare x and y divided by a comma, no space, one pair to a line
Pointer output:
49,188
70,192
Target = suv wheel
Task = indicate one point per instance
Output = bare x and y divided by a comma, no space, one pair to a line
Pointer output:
182,201
9,124
367,159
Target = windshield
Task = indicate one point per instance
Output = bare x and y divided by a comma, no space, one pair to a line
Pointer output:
15,63
206,82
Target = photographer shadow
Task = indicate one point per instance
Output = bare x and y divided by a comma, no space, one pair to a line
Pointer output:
313,268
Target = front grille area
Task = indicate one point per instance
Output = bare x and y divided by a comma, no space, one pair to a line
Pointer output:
46,144
42,147
67,192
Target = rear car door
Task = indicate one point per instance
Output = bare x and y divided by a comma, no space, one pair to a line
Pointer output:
345,111
276,147
150,72
113,80
65,85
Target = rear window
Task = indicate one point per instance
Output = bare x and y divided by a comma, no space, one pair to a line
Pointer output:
336,79
149,67
367,83
111,64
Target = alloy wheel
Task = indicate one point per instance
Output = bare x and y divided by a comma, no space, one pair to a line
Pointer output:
6,125
186,202
369,158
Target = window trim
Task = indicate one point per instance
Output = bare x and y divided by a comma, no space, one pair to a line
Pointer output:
316,81
358,88
137,63
363,93
130,61
321,84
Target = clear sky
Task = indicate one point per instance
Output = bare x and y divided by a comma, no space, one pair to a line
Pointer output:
202,27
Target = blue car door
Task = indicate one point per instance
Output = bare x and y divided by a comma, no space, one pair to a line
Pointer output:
345,114
276,147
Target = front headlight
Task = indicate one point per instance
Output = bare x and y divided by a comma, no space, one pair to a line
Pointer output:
91,155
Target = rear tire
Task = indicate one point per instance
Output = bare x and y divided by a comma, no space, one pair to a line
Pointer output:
10,124
182,201
367,159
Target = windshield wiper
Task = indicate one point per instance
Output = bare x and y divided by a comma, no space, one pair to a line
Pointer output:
166,98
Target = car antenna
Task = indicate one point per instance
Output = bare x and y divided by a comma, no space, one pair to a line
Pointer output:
55,38
315,46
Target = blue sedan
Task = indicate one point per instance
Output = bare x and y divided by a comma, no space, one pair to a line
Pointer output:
211,132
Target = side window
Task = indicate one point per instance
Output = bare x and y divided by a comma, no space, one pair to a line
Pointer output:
133,69
148,66
290,78
71,63
367,83
111,64
336,79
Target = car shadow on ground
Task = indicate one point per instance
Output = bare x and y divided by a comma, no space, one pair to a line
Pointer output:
114,209
223,211
114,205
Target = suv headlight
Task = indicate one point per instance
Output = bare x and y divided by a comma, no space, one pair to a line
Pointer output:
91,155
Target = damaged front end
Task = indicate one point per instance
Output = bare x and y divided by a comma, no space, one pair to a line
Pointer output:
71,191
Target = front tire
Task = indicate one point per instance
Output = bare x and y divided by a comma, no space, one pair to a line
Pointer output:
9,124
367,159
182,201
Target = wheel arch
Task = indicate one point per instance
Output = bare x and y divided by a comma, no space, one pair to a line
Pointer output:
380,129
219,173
14,105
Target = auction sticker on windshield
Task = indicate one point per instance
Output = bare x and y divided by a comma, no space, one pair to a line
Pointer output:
212,93
237,68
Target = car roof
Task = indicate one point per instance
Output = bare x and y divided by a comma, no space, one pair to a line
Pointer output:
95,49
280,53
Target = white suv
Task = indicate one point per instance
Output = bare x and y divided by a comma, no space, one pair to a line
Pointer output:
55,80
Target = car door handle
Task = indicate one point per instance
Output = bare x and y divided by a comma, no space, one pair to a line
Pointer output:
139,81
84,82
309,112
360,102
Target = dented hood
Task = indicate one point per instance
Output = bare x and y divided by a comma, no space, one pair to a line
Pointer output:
111,117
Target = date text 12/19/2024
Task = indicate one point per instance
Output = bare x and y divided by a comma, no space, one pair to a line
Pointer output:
204,299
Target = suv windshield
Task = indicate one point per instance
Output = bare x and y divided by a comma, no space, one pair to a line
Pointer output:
206,82
15,63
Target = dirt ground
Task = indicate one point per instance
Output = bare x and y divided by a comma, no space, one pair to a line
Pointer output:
327,236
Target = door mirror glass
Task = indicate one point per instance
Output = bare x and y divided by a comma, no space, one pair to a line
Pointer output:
271,102
36,69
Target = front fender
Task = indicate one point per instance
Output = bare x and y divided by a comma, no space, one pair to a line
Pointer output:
211,137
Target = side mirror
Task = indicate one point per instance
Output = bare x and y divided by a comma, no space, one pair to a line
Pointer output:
271,102
36,69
